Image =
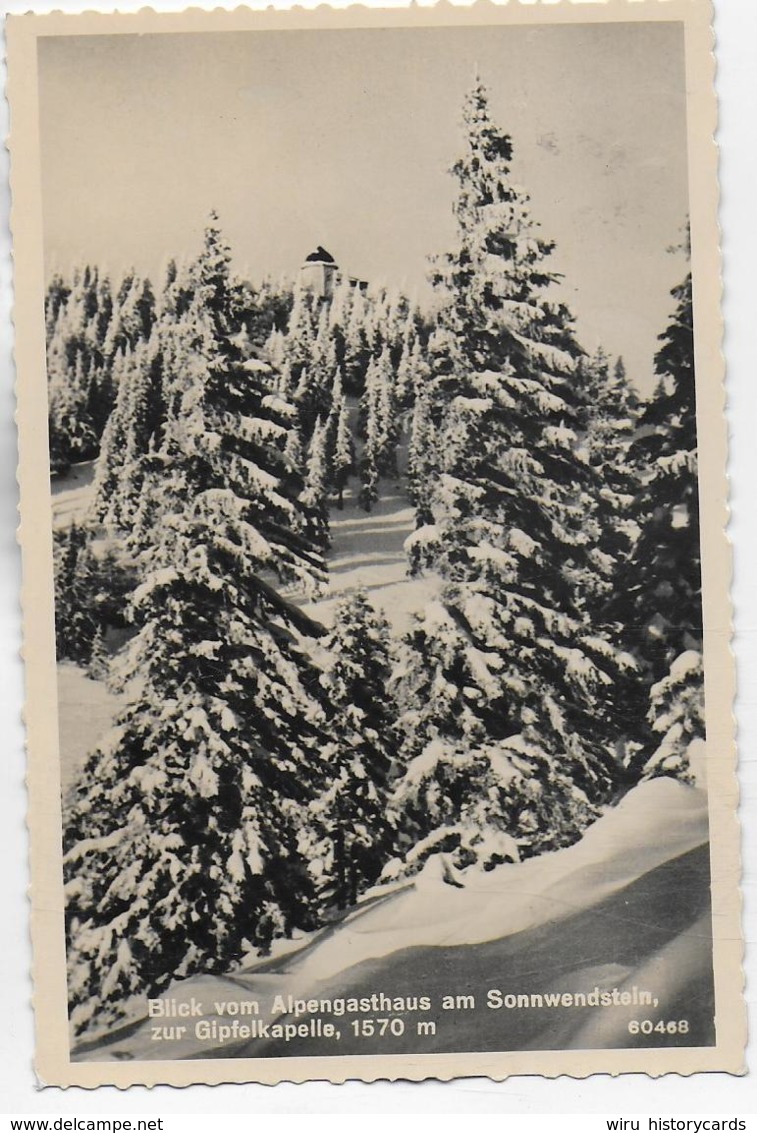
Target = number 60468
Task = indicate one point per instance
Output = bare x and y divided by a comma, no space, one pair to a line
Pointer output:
664,1027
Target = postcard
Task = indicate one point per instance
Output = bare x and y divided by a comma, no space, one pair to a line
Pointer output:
376,588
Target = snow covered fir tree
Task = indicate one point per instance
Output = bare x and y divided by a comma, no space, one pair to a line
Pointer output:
365,587
220,744
659,596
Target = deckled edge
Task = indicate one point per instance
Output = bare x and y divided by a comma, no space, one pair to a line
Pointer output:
738,832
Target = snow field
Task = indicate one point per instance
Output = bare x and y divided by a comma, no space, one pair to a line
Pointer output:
86,711
71,494
657,821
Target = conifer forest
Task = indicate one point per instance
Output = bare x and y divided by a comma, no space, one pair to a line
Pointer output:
355,588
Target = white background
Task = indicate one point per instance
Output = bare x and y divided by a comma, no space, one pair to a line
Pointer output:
736,32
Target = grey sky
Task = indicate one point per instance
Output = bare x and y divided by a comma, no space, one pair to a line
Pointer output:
344,138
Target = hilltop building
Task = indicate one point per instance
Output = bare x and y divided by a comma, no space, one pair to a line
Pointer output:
320,274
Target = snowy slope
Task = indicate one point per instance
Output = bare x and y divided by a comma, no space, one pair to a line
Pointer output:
624,844
367,548
86,711
624,904
367,552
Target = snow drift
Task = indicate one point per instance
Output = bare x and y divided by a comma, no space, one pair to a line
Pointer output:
626,906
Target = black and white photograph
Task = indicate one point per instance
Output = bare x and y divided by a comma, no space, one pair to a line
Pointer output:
386,723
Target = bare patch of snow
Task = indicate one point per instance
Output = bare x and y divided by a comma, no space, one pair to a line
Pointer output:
72,494
367,553
86,710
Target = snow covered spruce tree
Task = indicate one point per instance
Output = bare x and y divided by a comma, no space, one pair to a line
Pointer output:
421,457
98,665
350,817
379,425
139,367
133,429
74,332
409,371
356,350
71,431
344,452
339,444
75,622
659,598
608,425
315,493
369,478
87,326
183,847
610,412
508,736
